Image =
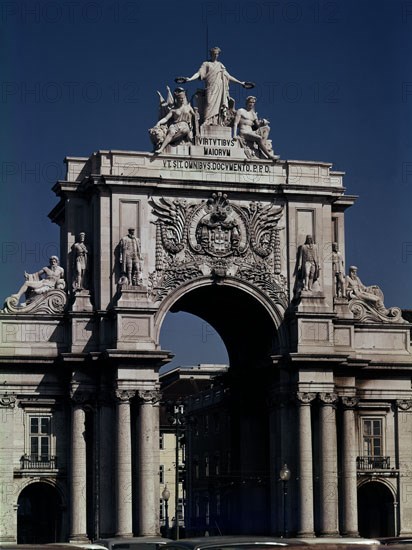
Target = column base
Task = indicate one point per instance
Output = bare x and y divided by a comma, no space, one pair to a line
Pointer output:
124,535
306,535
334,534
79,538
353,534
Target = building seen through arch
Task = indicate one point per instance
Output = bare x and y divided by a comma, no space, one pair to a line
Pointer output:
319,371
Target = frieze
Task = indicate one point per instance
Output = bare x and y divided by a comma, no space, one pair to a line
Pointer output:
218,239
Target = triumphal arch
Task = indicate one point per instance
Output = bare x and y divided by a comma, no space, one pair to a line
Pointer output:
212,222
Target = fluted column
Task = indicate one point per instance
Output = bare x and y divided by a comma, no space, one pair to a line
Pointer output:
123,473
306,519
350,497
148,467
328,460
78,512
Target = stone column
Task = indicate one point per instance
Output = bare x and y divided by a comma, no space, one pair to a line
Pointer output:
148,466
78,515
106,465
328,460
306,519
123,468
350,489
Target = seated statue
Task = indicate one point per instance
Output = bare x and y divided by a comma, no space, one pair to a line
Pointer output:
356,289
176,126
252,130
366,302
48,278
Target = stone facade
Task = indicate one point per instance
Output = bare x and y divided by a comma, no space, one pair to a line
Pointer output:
220,235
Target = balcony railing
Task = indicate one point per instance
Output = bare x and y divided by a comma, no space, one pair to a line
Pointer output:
38,462
373,462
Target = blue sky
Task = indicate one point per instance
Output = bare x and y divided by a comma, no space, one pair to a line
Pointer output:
333,77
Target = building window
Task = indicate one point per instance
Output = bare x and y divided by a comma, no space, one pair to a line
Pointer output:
40,433
196,467
161,474
372,445
372,437
161,441
206,421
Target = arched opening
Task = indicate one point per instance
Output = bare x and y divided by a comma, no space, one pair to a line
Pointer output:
376,512
38,514
228,470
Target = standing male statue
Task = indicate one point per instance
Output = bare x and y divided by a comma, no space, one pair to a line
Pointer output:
217,79
308,263
338,271
130,257
80,259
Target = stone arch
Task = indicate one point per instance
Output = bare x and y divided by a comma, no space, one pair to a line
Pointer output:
39,513
180,299
376,510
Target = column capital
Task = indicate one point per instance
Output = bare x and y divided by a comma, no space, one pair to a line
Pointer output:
80,397
7,401
149,397
328,398
404,404
124,396
305,398
349,402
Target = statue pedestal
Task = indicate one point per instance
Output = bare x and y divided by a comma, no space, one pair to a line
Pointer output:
341,308
132,296
82,301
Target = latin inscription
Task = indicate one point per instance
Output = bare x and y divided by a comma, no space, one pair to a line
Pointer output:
205,165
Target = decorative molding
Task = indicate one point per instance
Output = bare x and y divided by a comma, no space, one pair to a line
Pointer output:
366,313
49,303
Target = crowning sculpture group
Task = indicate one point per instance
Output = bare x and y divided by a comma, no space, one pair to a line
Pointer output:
180,123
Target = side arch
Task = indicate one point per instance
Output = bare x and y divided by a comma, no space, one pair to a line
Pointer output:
376,509
39,513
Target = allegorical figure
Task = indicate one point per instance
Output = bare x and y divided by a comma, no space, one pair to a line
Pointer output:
48,278
308,263
217,79
372,295
252,129
130,257
180,120
338,271
80,260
